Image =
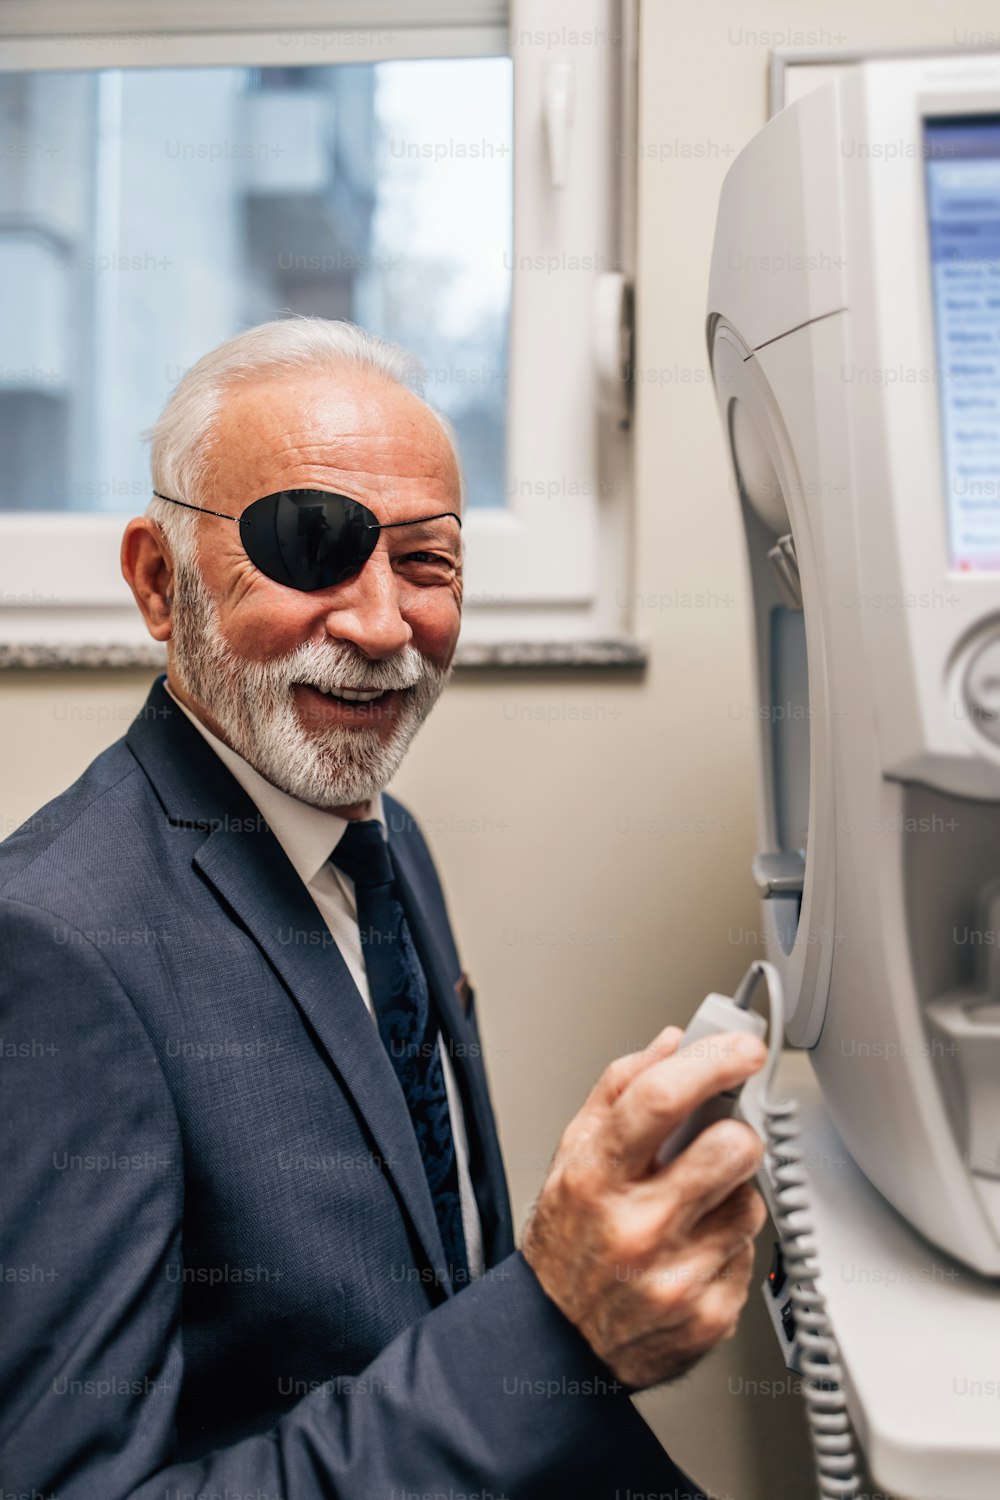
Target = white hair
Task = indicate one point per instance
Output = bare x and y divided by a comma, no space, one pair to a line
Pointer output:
181,439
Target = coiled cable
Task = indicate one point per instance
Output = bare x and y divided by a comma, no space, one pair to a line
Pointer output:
826,1402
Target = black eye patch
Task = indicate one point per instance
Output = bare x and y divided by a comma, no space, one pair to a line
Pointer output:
309,539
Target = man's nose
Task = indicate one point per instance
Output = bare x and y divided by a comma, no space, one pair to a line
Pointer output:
367,612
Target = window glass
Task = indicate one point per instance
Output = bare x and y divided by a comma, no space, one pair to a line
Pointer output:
146,215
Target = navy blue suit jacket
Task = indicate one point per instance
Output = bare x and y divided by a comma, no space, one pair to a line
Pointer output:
221,1269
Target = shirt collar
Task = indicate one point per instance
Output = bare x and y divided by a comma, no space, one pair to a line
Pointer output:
307,834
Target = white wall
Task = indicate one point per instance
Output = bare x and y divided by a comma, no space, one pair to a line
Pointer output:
607,887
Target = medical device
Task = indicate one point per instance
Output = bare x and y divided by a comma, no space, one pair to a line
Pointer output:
854,331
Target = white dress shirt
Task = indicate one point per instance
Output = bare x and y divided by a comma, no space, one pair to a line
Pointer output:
309,836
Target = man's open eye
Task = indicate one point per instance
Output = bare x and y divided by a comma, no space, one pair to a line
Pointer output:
428,567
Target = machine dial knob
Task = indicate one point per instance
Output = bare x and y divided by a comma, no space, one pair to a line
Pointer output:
982,689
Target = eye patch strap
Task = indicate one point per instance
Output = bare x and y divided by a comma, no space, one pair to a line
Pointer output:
378,526
220,513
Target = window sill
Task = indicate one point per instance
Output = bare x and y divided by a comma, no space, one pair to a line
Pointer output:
617,654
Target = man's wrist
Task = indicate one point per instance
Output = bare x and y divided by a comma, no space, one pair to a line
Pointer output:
594,1369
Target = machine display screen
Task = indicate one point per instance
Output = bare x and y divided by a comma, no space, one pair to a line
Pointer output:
962,161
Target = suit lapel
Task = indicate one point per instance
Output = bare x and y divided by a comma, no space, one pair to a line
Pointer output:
489,1181
246,866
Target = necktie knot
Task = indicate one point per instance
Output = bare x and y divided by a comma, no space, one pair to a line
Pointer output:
363,854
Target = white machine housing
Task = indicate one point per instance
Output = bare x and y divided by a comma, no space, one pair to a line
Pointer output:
856,360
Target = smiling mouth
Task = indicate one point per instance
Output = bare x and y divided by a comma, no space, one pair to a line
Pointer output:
350,695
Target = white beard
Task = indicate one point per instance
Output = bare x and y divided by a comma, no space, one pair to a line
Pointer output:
329,767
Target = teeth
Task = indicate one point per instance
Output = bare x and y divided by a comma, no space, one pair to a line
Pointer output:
350,695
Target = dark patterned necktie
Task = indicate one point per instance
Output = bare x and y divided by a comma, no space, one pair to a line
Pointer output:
406,1023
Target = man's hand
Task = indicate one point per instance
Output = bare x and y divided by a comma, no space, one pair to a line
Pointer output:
652,1263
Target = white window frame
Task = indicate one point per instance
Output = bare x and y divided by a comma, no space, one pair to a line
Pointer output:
551,568
795,71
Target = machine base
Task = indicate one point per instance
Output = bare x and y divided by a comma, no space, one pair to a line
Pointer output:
919,1334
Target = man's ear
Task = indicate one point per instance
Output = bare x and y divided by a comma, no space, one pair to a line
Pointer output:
148,569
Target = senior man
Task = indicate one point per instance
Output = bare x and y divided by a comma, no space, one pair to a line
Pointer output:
250,1147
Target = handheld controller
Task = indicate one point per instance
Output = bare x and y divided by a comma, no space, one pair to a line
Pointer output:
715,1016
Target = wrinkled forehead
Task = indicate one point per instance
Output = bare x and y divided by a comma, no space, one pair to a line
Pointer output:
346,431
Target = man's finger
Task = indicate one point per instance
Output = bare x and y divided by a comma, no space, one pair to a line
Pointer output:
707,1181
740,1212
619,1074
725,1299
659,1098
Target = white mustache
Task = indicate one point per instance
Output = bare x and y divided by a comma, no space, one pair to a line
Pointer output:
340,666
